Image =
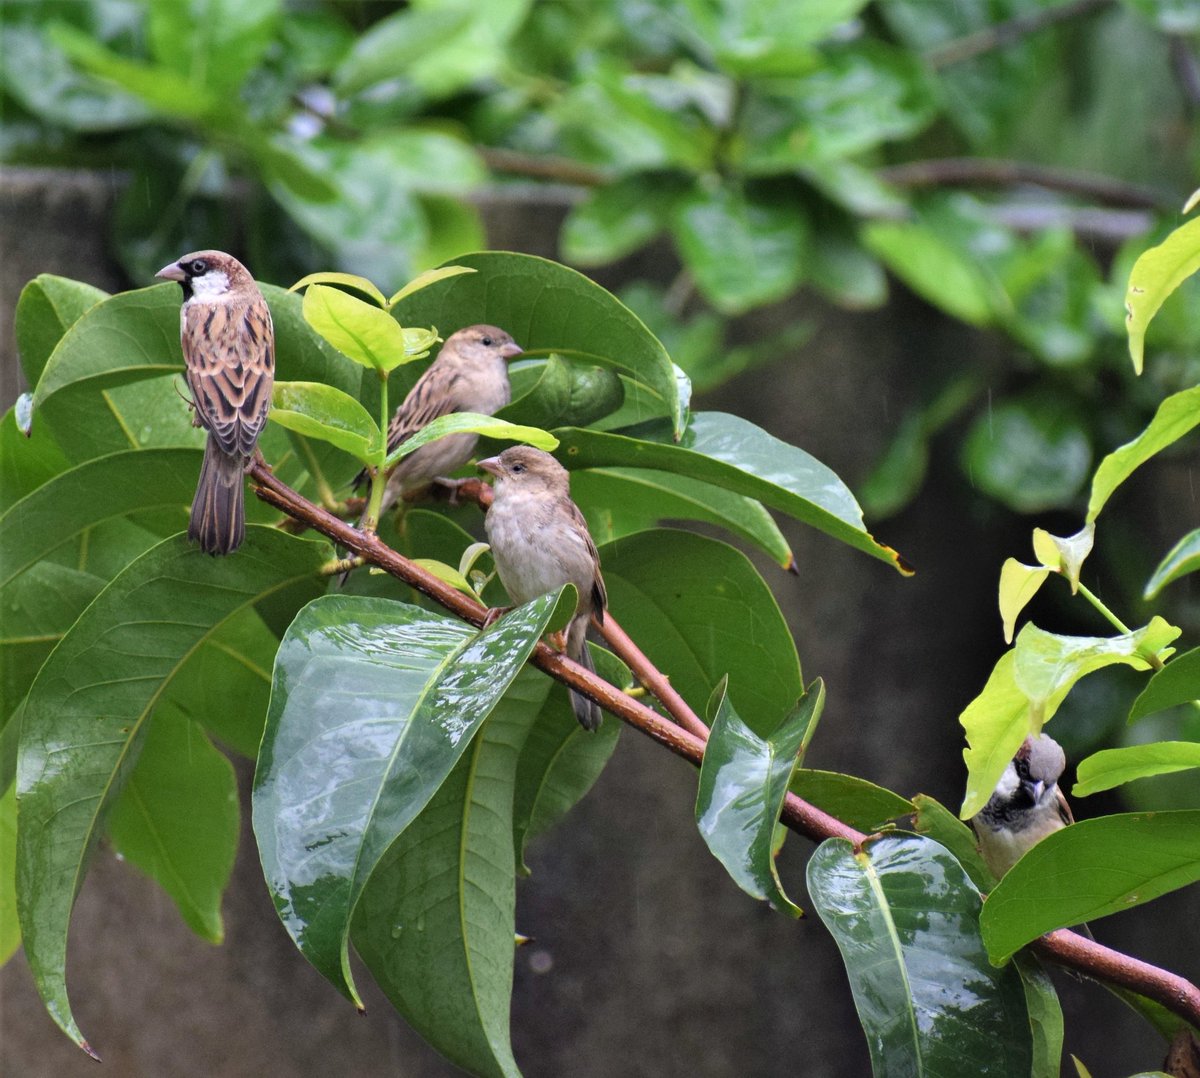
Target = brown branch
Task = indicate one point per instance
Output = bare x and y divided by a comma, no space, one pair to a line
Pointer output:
942,172
1064,947
537,167
1007,33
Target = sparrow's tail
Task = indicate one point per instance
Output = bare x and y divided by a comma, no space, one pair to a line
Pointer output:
586,711
218,521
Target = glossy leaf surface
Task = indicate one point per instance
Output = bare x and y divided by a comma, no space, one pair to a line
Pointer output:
905,917
940,824
743,781
320,411
733,453
461,422
1178,682
436,922
1126,860
550,308
856,802
1113,767
84,721
373,702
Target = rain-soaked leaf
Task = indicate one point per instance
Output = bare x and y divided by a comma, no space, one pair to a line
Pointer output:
373,703
932,818
906,919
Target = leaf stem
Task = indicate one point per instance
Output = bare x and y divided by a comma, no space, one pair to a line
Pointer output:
1098,603
378,476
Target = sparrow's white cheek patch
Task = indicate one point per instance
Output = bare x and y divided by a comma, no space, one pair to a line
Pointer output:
212,285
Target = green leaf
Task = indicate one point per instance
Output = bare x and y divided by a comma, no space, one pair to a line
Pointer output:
424,280
1178,682
10,931
346,280
904,916
84,721
1045,1017
59,510
373,702
935,820
731,453
1183,558
856,802
1064,554
1032,453
177,819
213,43
472,422
1156,274
436,922
743,782
47,308
550,308
560,760
617,218
1126,859
768,37
743,250
360,331
701,611
1026,687
620,501
1176,415
1018,585
320,411
25,462
1114,767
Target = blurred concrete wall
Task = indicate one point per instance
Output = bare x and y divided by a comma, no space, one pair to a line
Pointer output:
648,961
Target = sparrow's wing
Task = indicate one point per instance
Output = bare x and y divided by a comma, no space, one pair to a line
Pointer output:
1064,809
229,349
433,395
599,595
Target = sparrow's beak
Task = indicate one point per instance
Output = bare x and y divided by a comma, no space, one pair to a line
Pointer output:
491,465
510,350
1035,790
173,272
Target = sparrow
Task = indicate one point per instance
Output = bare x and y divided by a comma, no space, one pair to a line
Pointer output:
540,541
229,352
1025,807
470,374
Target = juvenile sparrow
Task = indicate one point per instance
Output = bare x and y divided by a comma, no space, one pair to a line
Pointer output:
1027,805
470,374
229,350
540,541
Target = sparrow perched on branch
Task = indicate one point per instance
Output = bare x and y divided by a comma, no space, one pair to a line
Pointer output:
1027,805
470,374
229,350
540,542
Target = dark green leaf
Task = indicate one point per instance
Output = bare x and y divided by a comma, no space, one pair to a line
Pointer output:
549,308
743,782
84,721
620,501
940,824
1126,859
177,819
905,918
436,922
1045,1017
856,802
214,42
731,453
47,308
373,703
743,250
618,218
10,930
1178,682
25,462
700,611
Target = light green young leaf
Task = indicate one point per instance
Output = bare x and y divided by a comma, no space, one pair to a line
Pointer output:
1114,767
1018,585
1156,274
1183,558
1176,415
320,411
424,280
1064,554
472,422
347,280
363,332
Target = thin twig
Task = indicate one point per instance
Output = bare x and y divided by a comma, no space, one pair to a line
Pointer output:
1006,33
560,169
1064,947
942,172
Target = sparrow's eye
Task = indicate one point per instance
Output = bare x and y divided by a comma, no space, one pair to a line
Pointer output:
487,342
517,469
198,267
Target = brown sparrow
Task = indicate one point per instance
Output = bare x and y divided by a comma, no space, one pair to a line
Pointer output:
1027,805
540,541
470,374
229,350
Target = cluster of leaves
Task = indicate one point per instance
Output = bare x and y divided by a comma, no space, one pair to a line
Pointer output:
759,136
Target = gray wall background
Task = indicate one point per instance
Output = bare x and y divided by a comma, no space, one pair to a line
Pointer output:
648,960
